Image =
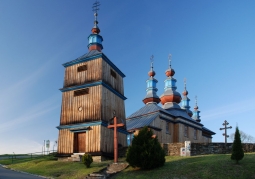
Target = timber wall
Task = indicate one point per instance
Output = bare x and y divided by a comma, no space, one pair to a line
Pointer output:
98,139
89,102
92,74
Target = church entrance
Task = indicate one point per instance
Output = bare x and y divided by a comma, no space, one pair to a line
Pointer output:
79,142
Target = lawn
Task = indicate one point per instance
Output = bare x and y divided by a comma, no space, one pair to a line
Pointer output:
202,167
50,167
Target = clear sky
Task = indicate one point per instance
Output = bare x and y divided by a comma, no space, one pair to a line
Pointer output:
212,45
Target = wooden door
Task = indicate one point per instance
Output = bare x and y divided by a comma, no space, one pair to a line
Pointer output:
79,142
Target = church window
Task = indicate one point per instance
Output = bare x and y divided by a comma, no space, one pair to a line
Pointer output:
81,92
195,134
168,131
82,68
186,131
113,74
130,139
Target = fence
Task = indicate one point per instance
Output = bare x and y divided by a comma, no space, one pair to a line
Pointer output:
18,157
173,149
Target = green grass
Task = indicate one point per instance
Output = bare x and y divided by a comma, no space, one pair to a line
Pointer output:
201,167
207,167
50,167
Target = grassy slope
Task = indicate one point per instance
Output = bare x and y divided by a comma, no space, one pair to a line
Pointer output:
207,167
51,168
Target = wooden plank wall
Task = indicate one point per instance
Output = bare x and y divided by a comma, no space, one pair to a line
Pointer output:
163,137
89,102
93,73
110,103
182,138
93,139
107,139
65,141
115,83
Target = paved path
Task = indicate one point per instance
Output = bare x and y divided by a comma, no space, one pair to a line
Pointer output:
10,174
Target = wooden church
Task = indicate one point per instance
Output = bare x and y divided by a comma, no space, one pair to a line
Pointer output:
92,94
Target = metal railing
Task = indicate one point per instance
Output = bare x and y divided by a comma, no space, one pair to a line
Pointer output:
27,156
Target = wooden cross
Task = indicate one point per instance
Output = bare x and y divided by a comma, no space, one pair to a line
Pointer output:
115,126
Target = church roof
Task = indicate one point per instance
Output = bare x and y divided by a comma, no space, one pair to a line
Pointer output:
209,131
152,107
140,121
148,108
86,55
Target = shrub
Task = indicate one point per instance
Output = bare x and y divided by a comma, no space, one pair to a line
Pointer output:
145,151
87,160
237,149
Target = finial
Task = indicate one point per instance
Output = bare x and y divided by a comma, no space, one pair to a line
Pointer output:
185,83
95,9
152,62
169,60
196,100
151,72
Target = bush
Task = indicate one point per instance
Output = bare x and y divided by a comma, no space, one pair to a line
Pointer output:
237,149
87,160
145,151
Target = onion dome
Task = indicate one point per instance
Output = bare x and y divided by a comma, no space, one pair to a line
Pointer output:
170,98
185,100
95,40
196,113
151,96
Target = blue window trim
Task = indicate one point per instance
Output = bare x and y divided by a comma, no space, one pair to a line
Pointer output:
93,84
92,58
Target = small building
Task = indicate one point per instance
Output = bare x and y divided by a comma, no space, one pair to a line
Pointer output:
171,123
93,93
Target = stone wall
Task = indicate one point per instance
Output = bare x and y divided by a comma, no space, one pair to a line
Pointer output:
173,149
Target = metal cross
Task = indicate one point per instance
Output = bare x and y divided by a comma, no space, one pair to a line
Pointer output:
95,6
169,59
225,134
185,83
196,100
152,57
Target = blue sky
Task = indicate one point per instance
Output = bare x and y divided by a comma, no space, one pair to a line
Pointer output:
212,45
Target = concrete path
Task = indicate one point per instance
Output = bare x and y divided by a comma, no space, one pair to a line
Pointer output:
10,174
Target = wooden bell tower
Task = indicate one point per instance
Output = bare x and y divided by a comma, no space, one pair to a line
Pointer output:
93,90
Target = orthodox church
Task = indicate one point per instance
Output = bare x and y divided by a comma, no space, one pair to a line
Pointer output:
93,93
171,123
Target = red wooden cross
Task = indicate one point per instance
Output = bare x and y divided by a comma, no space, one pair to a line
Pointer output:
115,126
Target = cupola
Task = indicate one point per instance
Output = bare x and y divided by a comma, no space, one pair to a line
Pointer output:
170,98
95,40
196,112
151,96
185,100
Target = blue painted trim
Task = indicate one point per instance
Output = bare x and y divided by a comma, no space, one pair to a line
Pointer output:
94,84
92,58
79,125
112,65
75,131
102,123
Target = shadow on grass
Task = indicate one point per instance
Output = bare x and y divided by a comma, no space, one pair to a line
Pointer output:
206,166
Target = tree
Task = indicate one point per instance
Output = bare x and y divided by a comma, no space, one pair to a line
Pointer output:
245,138
145,151
237,149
